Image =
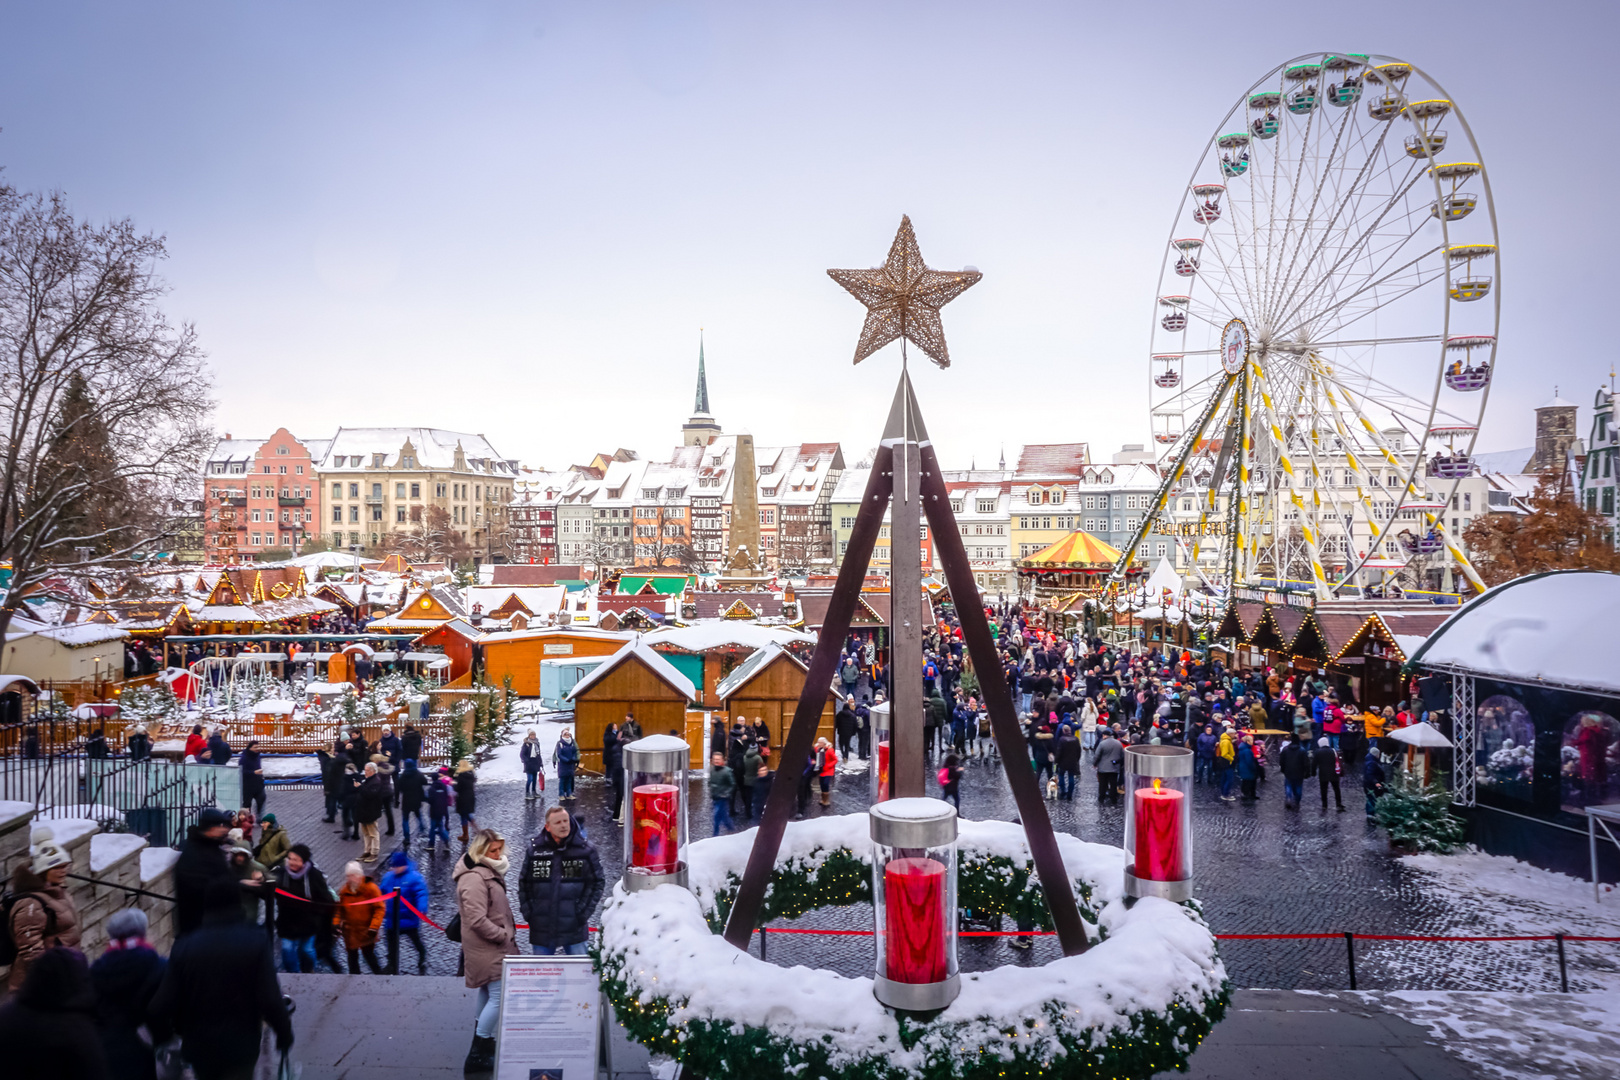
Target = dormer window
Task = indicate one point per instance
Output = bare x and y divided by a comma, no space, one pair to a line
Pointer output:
282,450
377,460
1055,496
985,506
1036,496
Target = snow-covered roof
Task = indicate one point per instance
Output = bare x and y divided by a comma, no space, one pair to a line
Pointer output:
74,635
638,649
434,448
1555,628
744,672
851,484
702,636
10,682
580,631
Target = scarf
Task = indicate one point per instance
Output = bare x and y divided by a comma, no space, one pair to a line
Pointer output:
500,866
134,942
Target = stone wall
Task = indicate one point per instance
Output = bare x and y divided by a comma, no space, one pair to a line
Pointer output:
110,859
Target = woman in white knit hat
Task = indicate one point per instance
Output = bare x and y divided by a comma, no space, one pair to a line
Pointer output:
42,914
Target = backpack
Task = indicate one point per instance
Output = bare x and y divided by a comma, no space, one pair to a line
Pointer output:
8,944
944,775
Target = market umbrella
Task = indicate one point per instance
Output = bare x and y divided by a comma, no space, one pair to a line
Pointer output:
1423,734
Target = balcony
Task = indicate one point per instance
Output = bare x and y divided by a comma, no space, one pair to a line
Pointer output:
374,500
235,501
289,501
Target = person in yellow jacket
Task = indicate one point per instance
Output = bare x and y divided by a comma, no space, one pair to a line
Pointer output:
1225,765
1373,723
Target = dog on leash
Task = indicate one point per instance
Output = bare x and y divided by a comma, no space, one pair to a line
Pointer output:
1052,788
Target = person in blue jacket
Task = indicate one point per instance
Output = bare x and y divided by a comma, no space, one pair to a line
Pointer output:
404,877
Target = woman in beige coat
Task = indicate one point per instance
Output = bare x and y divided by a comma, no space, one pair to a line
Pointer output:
488,933
43,916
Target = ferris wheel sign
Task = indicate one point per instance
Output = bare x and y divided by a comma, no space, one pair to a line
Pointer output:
1234,346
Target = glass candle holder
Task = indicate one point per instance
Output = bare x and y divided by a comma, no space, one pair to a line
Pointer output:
914,903
882,721
655,834
1158,822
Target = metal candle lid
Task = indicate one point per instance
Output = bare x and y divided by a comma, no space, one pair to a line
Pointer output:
1163,761
913,823
656,754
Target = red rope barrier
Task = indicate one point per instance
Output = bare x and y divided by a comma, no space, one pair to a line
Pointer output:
1042,933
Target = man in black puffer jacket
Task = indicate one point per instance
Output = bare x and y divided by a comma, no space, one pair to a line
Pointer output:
201,863
560,886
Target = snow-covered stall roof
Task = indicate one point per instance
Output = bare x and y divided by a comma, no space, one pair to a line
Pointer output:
702,636
1555,628
745,671
638,649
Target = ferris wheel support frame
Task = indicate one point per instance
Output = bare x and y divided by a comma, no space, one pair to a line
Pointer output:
1166,485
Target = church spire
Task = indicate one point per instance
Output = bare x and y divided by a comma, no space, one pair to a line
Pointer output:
700,406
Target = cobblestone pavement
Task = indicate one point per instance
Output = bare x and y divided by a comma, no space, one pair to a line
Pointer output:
1260,869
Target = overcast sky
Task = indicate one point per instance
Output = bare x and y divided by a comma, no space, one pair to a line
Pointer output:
513,218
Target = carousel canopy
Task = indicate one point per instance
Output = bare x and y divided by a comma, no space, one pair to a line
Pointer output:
1077,551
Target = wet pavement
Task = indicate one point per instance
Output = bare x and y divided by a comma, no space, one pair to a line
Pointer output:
1260,869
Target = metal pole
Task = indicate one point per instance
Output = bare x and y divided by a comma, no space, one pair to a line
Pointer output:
907,761
1563,969
393,933
1350,951
1591,841
762,943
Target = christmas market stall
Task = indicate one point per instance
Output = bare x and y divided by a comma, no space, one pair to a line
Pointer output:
635,681
519,654
269,599
1078,563
766,687
1528,678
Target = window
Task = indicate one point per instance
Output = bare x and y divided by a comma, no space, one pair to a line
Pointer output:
1117,525
267,468
416,491
1055,496
1046,523
337,491
1036,496
354,491
354,515
298,470
255,539
354,538
439,490
1161,549
985,506
399,515
282,469
376,491
1141,551
399,491
846,523
956,506
1468,500
337,514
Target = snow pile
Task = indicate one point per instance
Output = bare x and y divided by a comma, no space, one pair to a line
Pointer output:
106,849
157,861
1153,956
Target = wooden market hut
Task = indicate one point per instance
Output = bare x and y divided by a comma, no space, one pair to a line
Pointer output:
634,681
517,654
766,687
459,639
1381,646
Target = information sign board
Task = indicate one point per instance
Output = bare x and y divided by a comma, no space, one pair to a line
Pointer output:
551,1019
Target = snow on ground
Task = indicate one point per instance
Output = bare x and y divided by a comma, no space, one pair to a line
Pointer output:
107,848
1517,898
503,765
1518,1036
289,766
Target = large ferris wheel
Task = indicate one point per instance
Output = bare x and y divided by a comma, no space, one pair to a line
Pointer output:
1324,332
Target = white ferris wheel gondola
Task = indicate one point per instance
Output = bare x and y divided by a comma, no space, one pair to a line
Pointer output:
1307,343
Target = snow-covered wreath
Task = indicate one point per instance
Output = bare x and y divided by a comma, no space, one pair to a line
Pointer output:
1138,1002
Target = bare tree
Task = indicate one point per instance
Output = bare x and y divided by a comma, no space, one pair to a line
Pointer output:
433,538
103,401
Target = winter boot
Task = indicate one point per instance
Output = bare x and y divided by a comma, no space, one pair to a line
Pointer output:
481,1058
826,798
464,833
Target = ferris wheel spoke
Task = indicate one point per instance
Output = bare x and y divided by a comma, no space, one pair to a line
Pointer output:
1371,287
1322,179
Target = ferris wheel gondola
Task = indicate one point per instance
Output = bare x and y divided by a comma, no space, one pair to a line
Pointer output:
1312,312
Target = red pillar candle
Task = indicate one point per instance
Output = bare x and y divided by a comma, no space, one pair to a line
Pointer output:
883,770
914,920
653,841
1158,834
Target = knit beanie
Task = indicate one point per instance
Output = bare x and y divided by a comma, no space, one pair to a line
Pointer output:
46,854
127,923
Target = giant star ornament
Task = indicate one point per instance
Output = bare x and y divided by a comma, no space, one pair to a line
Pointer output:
903,298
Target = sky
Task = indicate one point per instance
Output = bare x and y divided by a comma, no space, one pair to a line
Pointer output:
514,218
